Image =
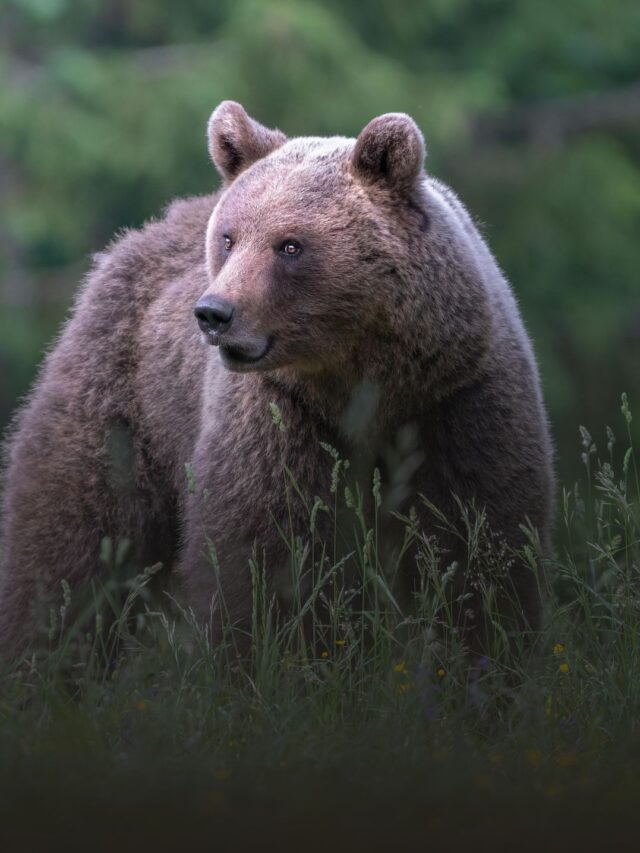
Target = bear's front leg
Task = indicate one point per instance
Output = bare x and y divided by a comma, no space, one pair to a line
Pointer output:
74,478
249,493
230,538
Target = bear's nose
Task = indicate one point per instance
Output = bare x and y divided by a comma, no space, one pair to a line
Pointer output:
213,314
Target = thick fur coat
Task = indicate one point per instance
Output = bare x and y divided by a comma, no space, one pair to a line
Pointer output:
322,268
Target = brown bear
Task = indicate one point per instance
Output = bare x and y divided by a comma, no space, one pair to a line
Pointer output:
323,267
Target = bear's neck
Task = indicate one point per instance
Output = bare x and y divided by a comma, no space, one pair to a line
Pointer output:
367,399
389,379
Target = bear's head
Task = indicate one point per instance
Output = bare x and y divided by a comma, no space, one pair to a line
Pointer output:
327,253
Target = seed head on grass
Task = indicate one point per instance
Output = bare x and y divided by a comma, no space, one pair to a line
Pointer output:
376,487
191,479
276,417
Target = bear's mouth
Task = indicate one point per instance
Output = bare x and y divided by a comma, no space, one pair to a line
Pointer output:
244,357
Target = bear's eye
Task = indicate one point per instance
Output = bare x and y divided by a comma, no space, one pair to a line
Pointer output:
290,248
228,243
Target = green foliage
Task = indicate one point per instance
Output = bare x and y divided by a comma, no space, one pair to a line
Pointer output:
104,107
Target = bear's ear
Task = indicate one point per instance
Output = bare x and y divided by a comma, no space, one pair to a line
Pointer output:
236,140
390,150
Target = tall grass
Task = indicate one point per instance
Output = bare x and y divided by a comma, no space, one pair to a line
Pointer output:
357,680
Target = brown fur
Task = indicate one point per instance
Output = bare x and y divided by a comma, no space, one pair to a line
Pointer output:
394,291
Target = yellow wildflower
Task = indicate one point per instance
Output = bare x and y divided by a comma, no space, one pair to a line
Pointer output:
324,655
440,672
563,668
483,781
400,667
567,759
534,757
402,688
341,642
558,648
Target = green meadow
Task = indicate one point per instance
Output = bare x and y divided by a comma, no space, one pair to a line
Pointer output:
356,721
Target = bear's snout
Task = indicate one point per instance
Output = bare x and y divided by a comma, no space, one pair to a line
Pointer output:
239,351
214,316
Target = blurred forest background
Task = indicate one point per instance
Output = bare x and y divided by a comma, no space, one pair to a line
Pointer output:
531,110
